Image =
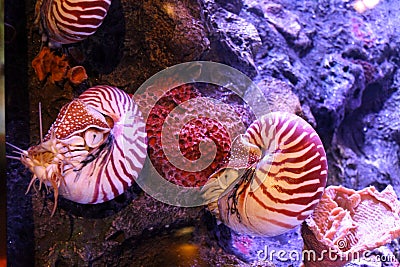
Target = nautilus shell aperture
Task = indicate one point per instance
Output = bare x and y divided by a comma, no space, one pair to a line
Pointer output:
94,150
282,187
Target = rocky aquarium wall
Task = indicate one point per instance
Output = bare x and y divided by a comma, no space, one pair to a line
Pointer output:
202,133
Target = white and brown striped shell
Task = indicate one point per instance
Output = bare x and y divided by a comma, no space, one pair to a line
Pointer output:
70,21
284,185
94,150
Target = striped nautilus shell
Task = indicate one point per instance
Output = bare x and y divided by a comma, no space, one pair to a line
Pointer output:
281,188
70,21
94,150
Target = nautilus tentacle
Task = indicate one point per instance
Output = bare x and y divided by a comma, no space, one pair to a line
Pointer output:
71,21
282,188
95,148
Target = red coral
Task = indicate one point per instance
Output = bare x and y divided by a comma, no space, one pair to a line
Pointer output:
47,64
192,123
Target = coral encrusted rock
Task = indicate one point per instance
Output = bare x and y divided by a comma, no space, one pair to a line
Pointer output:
347,224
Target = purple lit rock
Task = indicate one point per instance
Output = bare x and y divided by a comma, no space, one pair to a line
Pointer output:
285,22
235,41
342,84
368,141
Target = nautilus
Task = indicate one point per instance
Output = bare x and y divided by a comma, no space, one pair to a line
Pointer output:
70,21
281,187
94,150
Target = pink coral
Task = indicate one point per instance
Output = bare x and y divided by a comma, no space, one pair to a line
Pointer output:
347,223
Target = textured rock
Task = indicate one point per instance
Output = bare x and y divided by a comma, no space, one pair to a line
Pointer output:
259,251
175,33
371,73
78,244
232,6
284,21
368,143
233,99
278,95
288,25
155,35
343,84
235,41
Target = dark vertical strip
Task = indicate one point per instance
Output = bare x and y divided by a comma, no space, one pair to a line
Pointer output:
20,227
3,233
